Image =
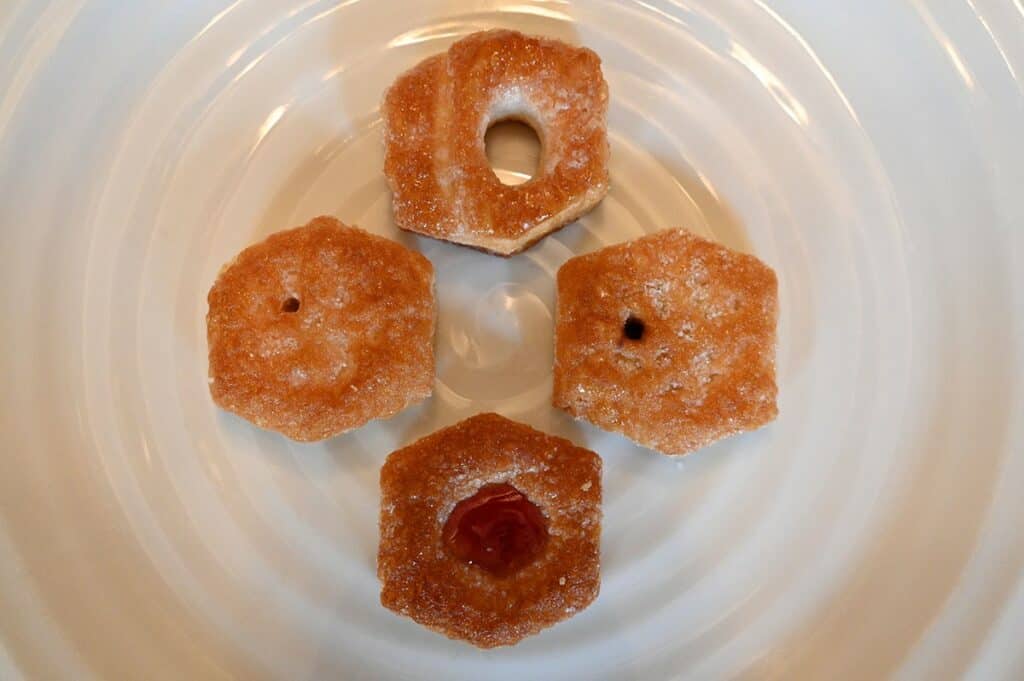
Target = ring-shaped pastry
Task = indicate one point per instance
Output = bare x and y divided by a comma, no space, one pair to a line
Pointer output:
437,114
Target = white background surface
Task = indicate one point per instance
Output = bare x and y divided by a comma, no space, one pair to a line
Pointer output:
871,152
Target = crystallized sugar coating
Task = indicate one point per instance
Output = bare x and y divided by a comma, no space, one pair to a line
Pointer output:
704,366
319,329
420,486
435,119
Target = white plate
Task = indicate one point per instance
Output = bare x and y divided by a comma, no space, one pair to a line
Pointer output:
870,151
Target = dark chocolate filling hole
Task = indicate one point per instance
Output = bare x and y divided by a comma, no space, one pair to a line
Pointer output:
633,329
290,304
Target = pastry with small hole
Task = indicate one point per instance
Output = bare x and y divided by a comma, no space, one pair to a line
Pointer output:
668,339
317,330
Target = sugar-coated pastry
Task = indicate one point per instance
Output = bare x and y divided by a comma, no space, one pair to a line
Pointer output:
319,329
668,339
435,118
490,530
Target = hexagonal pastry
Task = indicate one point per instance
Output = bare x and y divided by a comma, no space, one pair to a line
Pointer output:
668,339
319,329
436,116
489,530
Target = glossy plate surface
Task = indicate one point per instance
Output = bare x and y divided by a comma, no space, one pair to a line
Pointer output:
871,152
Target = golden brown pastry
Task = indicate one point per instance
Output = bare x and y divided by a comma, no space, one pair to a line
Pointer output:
490,530
668,339
435,118
319,329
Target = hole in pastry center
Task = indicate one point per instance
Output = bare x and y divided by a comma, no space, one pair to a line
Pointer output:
633,328
497,528
290,304
513,151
